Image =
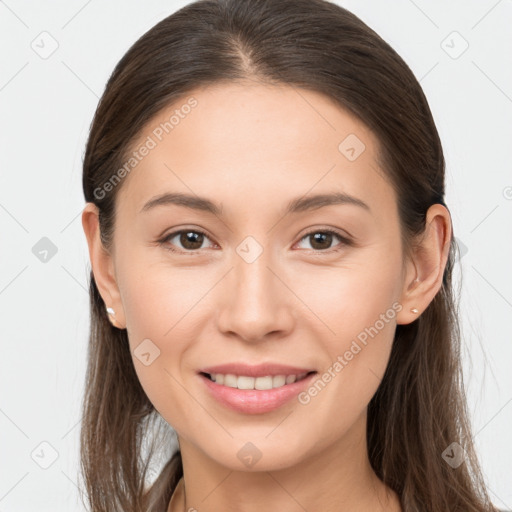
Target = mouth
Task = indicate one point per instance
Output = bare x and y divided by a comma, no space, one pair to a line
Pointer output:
261,394
263,383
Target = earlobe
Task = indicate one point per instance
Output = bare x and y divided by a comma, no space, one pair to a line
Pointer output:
112,317
102,265
427,267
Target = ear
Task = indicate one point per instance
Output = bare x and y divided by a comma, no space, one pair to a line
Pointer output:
424,273
102,265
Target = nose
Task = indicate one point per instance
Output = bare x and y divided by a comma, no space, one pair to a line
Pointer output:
256,300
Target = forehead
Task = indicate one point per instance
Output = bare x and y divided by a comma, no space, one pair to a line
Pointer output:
249,145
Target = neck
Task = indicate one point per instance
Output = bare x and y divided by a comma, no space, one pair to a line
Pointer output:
338,478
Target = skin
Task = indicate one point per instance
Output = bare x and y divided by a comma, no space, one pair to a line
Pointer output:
252,148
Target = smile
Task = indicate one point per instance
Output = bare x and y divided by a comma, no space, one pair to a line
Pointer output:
254,395
260,383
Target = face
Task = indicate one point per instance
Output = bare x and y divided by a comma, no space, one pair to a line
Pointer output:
316,288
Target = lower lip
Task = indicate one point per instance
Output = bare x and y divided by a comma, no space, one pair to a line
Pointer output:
255,401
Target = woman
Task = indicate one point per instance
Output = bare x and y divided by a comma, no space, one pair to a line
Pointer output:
271,260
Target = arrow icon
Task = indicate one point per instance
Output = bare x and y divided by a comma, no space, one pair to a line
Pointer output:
146,352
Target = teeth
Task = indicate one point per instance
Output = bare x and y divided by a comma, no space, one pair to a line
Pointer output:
261,383
290,379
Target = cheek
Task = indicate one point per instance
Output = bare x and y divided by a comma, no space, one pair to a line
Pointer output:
159,304
158,301
358,306
353,295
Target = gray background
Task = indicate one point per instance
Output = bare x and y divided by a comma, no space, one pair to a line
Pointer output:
46,106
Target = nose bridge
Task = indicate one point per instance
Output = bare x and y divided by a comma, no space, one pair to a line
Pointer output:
256,301
254,282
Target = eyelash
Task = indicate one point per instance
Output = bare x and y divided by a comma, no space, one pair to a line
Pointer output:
344,240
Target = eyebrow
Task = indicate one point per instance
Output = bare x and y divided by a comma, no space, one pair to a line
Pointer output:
297,205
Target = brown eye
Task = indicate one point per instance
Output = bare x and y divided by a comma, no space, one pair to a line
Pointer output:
187,240
191,240
321,240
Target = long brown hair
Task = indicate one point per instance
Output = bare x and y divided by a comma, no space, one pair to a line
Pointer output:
419,409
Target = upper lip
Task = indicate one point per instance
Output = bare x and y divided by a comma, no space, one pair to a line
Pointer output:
259,370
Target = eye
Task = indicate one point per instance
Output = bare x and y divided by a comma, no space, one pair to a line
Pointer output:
322,239
191,240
